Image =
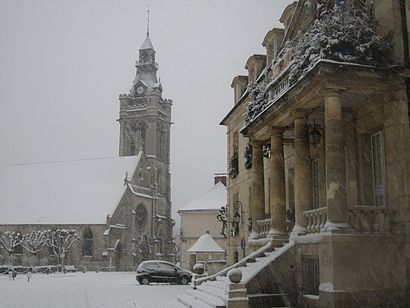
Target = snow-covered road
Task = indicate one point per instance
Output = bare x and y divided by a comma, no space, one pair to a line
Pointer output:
89,290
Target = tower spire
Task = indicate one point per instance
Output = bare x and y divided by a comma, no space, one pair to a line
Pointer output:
148,21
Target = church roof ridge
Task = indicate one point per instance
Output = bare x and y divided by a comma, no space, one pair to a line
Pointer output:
65,160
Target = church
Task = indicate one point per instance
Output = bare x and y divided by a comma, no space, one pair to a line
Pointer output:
119,206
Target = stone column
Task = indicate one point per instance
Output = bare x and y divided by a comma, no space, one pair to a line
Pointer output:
258,192
277,178
303,174
336,193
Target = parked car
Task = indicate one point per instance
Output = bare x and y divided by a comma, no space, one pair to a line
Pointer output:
162,271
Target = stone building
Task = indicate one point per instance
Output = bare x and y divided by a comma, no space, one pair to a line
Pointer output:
199,217
319,155
120,207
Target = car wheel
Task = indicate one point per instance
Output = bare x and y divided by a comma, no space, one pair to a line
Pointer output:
144,281
184,280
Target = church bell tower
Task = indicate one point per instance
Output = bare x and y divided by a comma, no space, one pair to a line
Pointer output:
145,123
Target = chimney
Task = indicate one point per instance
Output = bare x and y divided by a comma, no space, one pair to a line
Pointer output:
220,177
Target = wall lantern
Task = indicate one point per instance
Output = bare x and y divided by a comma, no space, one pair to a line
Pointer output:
315,135
236,218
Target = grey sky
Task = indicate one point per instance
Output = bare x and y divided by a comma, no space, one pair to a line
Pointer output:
64,63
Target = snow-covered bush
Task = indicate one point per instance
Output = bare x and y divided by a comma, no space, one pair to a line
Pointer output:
60,241
347,35
10,241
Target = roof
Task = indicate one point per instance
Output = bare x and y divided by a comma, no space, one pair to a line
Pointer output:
213,199
205,244
147,44
68,192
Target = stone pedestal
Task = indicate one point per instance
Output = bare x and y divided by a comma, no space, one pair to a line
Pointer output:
237,297
277,185
362,271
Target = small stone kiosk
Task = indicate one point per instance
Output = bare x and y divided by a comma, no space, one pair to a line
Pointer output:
208,251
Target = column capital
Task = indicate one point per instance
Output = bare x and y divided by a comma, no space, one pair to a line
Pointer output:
331,90
255,142
300,114
277,130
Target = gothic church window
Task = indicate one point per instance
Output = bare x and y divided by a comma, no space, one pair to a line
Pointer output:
133,134
161,142
141,136
88,240
141,215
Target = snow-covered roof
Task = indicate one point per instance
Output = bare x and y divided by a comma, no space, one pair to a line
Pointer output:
69,192
205,244
147,44
213,199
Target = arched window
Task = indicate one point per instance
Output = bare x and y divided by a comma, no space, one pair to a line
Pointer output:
158,137
88,242
133,134
162,240
141,136
118,247
141,216
163,143
18,250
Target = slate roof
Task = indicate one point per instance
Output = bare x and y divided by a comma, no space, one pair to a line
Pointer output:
147,44
69,192
213,199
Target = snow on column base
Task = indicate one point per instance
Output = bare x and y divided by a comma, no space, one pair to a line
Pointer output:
276,233
298,230
254,235
336,227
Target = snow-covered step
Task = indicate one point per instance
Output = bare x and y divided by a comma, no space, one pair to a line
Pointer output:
212,290
207,298
192,302
260,259
222,279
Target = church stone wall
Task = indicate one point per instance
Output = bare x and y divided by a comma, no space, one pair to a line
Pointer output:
75,256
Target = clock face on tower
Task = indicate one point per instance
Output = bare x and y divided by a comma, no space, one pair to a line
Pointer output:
140,90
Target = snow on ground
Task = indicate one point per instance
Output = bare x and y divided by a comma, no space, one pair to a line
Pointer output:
86,290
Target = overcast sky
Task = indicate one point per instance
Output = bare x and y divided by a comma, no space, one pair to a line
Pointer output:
64,63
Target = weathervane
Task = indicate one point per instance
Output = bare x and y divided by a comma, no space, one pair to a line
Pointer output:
148,21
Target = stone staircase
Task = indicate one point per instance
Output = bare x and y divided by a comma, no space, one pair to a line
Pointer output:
261,284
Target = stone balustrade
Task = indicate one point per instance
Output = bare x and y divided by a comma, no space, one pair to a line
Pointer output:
369,219
316,219
264,227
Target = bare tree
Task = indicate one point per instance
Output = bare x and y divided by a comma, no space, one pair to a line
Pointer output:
34,242
60,241
10,241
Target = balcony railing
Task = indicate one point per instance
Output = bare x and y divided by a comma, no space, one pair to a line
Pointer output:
369,219
362,219
316,219
264,227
